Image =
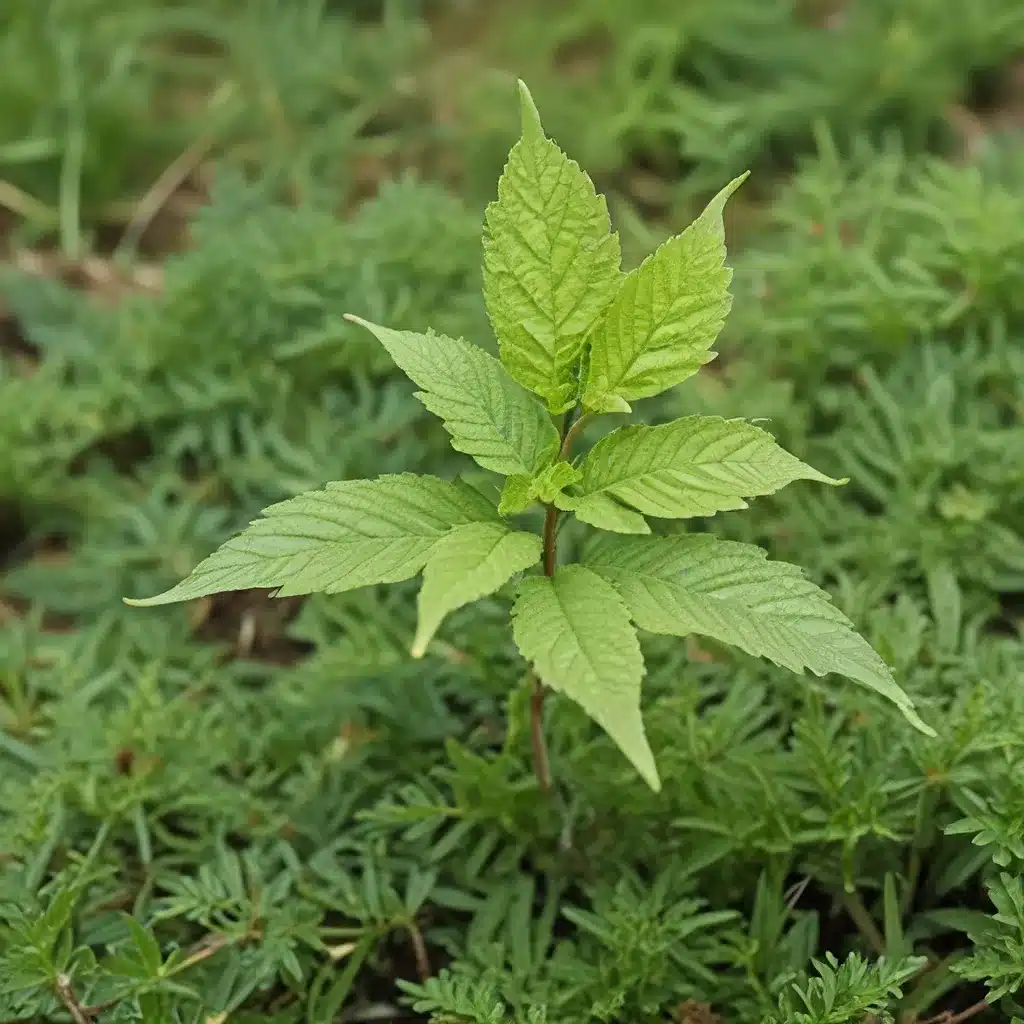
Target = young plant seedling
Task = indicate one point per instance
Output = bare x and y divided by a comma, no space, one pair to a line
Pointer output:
577,338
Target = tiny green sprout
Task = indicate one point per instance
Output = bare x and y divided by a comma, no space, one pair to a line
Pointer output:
577,338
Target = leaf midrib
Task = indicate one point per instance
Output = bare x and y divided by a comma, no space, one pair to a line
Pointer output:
632,479
640,348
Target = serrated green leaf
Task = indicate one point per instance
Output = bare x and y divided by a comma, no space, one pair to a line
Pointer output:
552,481
551,263
665,317
603,512
515,495
488,414
732,592
146,947
467,564
695,466
520,492
48,928
350,534
575,629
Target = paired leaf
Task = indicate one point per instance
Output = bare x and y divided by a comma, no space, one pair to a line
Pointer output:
551,263
520,492
695,466
467,564
575,629
665,316
489,416
351,534
730,591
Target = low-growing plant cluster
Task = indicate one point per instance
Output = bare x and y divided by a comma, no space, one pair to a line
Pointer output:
317,787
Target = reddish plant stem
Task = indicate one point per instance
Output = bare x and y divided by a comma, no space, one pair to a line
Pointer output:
550,551
957,1018
571,434
541,764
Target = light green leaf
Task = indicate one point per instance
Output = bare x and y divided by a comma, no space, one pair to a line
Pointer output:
603,512
551,263
665,317
467,564
490,416
731,592
353,533
521,491
516,495
553,480
575,629
695,466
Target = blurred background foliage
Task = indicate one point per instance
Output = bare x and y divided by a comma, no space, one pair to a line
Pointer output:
252,810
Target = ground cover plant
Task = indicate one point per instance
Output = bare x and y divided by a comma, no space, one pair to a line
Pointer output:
242,808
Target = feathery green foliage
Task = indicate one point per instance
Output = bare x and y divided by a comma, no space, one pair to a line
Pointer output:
244,809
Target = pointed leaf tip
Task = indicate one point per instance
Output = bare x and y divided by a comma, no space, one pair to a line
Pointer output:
917,722
575,629
170,596
471,562
528,109
734,185
714,210
777,614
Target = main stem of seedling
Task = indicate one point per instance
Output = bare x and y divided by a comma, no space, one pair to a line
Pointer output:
541,764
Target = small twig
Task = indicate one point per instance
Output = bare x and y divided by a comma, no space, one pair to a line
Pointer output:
24,205
247,631
419,949
541,764
66,994
795,892
864,921
201,951
160,192
968,125
948,1017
